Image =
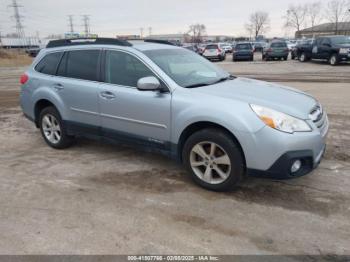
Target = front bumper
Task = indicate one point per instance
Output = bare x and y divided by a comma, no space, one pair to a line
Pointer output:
281,169
271,153
344,57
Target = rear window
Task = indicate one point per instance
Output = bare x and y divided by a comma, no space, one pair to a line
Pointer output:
279,44
212,47
48,65
243,46
82,64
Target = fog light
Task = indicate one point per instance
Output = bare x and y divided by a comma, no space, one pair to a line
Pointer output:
296,166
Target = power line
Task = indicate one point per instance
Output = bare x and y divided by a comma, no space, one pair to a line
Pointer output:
70,23
86,21
18,18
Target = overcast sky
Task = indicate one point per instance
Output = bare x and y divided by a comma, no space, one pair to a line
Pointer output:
113,17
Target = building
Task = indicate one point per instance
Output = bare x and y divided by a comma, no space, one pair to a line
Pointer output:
325,29
128,37
174,38
14,42
218,38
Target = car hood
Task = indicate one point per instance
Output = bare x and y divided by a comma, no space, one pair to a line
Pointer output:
281,98
343,46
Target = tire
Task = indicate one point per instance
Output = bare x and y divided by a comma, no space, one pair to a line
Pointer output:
251,59
333,60
302,57
285,58
226,149
58,138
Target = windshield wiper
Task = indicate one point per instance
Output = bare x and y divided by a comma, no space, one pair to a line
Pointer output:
230,77
223,79
198,85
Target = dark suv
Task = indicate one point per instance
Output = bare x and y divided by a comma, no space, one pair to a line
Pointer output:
334,49
276,49
243,51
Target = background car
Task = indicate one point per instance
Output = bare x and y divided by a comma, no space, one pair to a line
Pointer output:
259,46
243,51
191,47
214,51
226,47
276,49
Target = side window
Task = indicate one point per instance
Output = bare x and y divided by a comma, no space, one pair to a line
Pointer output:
124,69
82,64
63,65
49,63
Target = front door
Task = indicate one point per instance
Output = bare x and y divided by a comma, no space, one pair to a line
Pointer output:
130,114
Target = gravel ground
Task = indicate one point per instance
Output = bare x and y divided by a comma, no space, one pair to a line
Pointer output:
96,198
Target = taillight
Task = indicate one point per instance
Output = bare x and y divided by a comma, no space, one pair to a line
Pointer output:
219,50
269,50
24,79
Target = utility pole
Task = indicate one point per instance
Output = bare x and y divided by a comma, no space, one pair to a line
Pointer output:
70,23
150,30
141,32
86,21
18,18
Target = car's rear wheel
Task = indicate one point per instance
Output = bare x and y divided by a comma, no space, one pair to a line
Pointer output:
213,159
53,130
333,60
285,58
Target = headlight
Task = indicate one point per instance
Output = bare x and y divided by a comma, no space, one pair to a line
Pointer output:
343,50
280,121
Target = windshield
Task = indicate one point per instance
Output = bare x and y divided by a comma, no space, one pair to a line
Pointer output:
243,46
279,44
341,40
186,68
212,47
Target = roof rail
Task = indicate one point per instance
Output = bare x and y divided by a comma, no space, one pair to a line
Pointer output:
87,41
164,42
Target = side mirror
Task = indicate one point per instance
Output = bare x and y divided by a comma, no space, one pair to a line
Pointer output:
149,83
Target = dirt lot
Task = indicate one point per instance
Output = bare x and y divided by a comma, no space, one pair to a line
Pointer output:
101,199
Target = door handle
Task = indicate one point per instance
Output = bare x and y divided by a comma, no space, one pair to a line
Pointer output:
107,95
58,86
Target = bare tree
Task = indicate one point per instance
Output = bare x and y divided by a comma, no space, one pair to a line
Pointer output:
259,23
197,31
296,16
337,11
314,13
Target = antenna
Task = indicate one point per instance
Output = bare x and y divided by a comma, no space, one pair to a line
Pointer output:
141,32
70,23
86,21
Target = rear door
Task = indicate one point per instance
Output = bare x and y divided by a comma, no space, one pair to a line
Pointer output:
128,113
77,83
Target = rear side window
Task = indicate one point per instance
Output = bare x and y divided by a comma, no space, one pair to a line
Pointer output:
80,64
48,65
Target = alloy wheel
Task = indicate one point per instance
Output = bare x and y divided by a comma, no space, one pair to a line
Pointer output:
51,129
210,162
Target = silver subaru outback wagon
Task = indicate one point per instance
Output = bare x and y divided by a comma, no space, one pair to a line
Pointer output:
168,99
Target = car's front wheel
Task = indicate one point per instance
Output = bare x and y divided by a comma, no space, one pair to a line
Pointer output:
53,130
213,159
333,60
302,57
